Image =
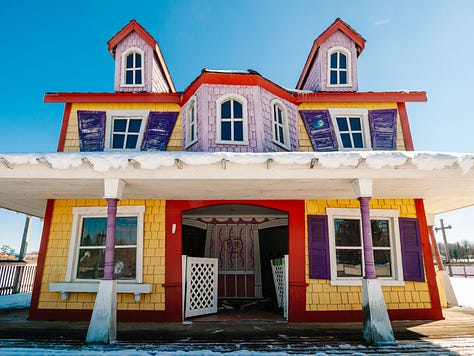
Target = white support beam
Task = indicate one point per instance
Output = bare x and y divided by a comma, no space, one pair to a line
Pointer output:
113,188
363,187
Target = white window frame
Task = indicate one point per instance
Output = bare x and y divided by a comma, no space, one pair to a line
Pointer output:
125,54
348,70
245,128
79,213
363,114
111,115
191,121
275,103
396,254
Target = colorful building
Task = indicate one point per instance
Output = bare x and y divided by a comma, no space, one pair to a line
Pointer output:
237,172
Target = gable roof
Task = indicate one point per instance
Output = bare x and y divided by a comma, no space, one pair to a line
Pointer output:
133,25
337,25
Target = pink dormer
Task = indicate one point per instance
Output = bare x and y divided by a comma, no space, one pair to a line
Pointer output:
139,64
332,62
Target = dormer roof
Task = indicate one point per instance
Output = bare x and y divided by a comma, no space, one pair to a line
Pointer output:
134,26
337,25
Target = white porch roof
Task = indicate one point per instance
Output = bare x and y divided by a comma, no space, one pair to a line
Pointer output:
444,180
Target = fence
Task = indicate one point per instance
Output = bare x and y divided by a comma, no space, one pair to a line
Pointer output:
16,277
465,270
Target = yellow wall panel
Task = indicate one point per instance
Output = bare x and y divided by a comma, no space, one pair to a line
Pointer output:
322,296
56,258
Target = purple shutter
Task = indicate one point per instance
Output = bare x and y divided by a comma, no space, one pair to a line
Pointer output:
411,250
319,127
383,129
91,125
158,131
318,247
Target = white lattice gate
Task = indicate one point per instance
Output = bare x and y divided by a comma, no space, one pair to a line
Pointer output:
200,281
280,278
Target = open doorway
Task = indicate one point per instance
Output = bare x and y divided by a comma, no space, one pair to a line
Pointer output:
244,239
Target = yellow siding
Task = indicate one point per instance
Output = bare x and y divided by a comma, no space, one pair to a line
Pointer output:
322,296
304,141
72,135
58,250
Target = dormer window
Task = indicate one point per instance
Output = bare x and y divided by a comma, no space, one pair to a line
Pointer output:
280,131
232,120
133,67
339,67
191,123
125,129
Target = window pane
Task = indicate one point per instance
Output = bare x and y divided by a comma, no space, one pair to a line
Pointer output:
357,138
91,264
383,263
129,77
280,116
93,231
281,137
380,233
334,60
131,142
346,141
134,125
138,60
342,124
355,123
120,125
349,263
225,131
238,131
342,61
333,77
343,77
118,141
138,77
347,232
237,110
130,61
125,263
126,230
225,110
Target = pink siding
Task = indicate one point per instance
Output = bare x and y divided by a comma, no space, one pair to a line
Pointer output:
258,116
152,76
318,75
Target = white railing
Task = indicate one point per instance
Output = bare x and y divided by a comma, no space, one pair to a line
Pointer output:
16,277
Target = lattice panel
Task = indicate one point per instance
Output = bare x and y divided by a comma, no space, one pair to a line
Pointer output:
201,286
279,280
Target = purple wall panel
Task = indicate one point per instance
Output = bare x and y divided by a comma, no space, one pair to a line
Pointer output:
318,245
158,131
319,127
383,129
91,126
410,243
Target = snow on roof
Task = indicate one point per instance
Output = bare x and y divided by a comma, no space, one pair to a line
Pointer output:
107,161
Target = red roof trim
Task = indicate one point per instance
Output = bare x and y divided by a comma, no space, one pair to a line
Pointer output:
174,98
337,25
237,79
359,97
133,25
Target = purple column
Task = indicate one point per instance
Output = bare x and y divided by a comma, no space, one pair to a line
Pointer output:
369,264
110,239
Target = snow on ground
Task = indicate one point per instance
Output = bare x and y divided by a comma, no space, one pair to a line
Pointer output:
464,290
15,301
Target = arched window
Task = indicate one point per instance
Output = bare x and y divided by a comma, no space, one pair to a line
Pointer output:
232,119
339,67
191,123
133,67
280,130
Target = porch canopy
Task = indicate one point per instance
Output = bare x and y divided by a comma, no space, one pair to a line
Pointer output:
444,180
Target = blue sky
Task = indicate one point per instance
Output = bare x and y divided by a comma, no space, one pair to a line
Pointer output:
60,46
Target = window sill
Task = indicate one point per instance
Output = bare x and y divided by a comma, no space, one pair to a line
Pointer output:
358,282
240,143
92,287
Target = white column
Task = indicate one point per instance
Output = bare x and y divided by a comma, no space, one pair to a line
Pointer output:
377,328
103,324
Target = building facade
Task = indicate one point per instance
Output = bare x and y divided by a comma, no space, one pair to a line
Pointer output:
241,170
